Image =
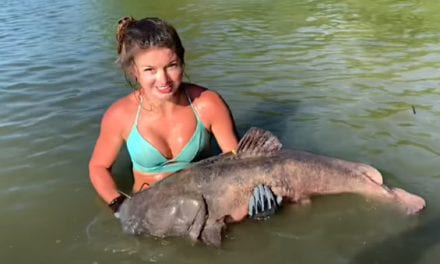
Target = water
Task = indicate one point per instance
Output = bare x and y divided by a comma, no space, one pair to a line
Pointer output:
339,78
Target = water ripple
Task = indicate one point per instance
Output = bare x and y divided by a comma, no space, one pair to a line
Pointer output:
337,77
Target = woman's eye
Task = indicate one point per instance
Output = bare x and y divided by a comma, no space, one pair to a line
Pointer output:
148,69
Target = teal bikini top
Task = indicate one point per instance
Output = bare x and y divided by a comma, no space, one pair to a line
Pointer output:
147,159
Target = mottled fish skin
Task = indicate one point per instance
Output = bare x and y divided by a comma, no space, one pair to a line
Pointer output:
198,200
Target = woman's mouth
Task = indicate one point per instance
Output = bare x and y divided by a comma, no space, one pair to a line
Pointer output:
165,88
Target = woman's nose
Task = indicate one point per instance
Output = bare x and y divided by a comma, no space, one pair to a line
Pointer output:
162,77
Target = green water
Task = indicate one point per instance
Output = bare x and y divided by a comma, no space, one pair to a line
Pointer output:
357,80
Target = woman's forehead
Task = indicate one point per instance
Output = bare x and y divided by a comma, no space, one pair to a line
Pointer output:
155,55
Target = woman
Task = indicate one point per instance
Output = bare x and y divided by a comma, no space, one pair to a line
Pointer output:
165,122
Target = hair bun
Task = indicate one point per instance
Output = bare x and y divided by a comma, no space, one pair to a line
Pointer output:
123,23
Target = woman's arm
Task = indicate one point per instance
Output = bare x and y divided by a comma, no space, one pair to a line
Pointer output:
220,120
106,150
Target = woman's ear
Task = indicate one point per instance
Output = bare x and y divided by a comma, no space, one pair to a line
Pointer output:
133,72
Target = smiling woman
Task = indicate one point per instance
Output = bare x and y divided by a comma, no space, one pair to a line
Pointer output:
165,123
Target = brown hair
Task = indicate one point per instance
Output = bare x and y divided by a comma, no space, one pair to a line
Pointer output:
133,35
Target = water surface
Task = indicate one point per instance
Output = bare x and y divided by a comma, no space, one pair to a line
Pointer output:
357,80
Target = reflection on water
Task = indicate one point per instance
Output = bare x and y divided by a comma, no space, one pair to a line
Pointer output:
352,79
407,247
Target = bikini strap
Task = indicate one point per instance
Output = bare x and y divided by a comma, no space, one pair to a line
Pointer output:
196,113
138,113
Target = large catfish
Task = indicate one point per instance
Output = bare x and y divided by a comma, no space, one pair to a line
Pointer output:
199,200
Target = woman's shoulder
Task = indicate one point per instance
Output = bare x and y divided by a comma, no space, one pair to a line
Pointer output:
121,110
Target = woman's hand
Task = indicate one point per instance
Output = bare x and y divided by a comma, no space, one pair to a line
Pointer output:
115,204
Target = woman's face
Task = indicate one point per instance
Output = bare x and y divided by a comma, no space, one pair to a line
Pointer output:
158,71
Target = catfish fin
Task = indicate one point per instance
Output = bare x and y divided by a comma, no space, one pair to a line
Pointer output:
199,221
212,233
258,142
